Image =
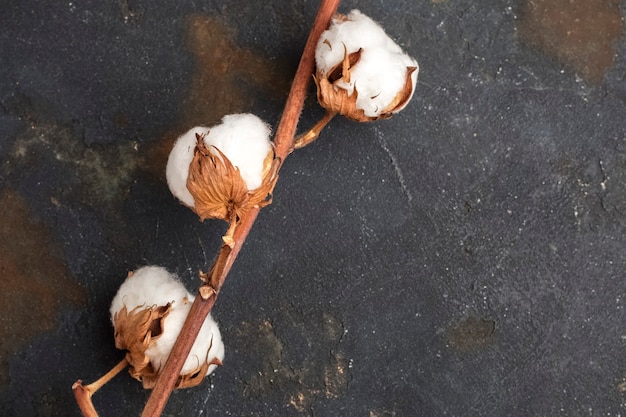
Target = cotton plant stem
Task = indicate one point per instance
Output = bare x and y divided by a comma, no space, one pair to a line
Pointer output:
200,309
83,393
286,130
307,137
283,142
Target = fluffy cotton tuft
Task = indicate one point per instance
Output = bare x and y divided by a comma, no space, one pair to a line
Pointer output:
154,286
147,286
355,31
381,72
177,169
243,138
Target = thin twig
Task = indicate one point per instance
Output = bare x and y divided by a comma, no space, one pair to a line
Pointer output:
309,136
83,393
283,142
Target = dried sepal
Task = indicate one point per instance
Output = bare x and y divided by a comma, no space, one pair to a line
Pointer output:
215,184
194,378
259,197
134,330
218,189
262,196
341,71
403,96
336,99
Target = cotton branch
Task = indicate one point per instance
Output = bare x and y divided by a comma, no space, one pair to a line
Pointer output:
214,279
83,393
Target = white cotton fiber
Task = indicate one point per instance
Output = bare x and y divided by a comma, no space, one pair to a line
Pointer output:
245,140
376,91
148,286
381,72
356,32
153,286
177,169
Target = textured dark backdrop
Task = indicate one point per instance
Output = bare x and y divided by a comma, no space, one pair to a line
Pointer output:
466,258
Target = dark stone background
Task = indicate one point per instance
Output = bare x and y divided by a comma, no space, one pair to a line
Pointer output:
466,258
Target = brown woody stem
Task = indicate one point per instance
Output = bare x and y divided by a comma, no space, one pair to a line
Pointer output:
283,142
83,393
307,137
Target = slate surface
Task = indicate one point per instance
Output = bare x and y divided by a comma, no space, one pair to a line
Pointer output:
466,258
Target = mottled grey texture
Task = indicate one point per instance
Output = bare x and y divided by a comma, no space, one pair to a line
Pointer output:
465,258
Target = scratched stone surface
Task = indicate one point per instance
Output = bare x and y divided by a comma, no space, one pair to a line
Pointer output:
465,258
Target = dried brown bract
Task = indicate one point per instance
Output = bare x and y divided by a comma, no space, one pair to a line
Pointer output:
134,331
219,191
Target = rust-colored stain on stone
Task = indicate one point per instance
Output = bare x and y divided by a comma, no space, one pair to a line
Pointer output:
35,283
226,73
471,333
580,33
227,79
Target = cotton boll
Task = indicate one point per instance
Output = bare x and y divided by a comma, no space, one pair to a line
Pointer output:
233,170
245,140
177,169
224,171
148,313
356,54
147,286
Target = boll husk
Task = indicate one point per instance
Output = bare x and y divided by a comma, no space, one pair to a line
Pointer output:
148,313
361,72
223,171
